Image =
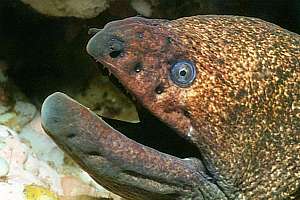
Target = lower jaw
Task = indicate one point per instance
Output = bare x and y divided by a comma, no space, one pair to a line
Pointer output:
113,159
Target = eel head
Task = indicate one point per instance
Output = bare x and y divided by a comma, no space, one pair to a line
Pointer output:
217,100
152,159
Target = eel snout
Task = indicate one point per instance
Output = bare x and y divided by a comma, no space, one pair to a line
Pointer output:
112,159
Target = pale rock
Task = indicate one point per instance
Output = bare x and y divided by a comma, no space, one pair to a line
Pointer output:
44,173
14,151
32,158
8,118
142,7
4,109
4,167
25,112
73,186
4,132
41,144
2,144
22,114
11,191
78,187
24,168
69,8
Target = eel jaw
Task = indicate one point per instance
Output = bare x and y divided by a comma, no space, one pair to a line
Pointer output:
118,163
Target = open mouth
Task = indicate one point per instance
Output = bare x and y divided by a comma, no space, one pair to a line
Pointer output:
144,159
150,131
137,159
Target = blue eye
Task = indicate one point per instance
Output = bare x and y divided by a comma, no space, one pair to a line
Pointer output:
183,73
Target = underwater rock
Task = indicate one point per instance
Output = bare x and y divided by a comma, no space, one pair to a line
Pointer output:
4,167
104,98
35,192
80,188
69,8
15,110
142,7
40,144
25,112
32,167
28,171
16,118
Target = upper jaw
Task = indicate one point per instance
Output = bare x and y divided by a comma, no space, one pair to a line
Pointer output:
150,170
115,161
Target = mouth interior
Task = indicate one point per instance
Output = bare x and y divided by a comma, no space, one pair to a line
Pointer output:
150,131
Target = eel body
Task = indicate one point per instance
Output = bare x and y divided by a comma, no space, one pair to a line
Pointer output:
228,85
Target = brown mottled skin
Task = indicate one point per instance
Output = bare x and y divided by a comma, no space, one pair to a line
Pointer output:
242,111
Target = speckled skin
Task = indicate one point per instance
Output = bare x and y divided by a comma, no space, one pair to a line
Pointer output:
245,103
242,111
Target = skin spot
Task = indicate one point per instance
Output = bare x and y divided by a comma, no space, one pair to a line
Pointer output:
221,61
140,35
159,89
241,94
138,67
186,113
169,40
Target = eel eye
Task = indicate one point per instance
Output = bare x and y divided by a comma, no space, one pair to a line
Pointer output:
183,73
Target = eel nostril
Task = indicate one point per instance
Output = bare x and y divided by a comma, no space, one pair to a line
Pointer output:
115,54
116,47
71,135
94,153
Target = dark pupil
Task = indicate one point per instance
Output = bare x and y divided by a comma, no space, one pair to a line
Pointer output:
182,72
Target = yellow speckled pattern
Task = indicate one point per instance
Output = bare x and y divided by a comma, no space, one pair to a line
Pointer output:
35,192
245,101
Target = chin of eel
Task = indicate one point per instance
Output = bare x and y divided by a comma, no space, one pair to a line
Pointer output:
218,99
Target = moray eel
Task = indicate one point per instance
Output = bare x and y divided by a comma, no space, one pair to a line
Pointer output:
229,86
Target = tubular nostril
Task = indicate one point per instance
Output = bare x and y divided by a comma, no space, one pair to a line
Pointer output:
116,47
104,44
93,31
